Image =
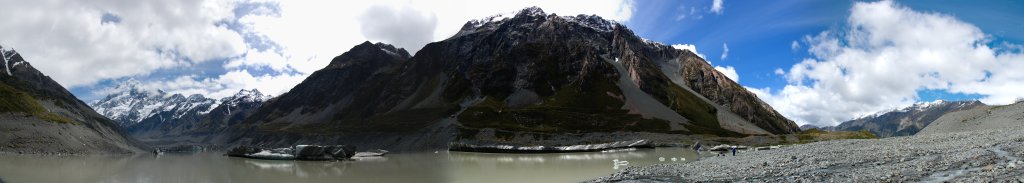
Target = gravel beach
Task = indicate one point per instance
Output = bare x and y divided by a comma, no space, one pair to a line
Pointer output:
975,156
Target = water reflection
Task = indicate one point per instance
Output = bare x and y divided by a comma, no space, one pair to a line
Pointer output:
415,167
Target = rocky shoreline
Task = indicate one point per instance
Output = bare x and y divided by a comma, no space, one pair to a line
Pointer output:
975,156
500,148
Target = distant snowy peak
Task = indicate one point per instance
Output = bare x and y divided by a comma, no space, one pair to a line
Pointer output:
922,106
526,12
130,103
130,84
246,96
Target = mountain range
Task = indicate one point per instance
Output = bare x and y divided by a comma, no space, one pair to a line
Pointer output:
904,121
160,118
522,78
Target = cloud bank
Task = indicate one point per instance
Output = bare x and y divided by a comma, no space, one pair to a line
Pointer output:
884,57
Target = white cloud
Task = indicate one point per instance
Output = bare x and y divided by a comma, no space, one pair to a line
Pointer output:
73,43
227,84
716,6
260,59
403,26
689,47
310,33
729,72
884,57
795,45
725,51
685,12
79,43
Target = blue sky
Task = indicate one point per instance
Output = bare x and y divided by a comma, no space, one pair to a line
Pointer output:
760,33
816,62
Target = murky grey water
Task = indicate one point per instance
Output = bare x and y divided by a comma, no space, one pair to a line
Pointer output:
411,167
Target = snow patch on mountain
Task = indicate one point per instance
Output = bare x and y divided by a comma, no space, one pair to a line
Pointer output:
920,106
7,55
590,21
246,96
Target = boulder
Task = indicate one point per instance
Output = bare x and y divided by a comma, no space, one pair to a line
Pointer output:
298,152
243,151
341,152
273,154
312,153
372,153
723,147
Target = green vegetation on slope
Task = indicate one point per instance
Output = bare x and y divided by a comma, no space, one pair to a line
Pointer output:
18,101
701,114
572,109
814,135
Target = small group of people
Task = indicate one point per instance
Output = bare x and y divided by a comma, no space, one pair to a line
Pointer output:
733,149
697,147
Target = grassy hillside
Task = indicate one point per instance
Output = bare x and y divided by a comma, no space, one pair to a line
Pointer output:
18,101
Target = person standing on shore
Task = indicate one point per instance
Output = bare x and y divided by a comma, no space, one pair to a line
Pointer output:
734,151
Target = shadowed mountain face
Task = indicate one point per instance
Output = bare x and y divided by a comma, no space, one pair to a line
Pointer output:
906,121
527,73
37,115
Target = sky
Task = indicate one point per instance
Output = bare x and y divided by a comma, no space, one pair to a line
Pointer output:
816,62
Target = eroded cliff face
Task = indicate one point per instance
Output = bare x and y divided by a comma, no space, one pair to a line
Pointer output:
702,78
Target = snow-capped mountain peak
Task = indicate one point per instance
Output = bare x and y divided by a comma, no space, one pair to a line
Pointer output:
919,106
926,105
130,103
244,95
535,13
9,61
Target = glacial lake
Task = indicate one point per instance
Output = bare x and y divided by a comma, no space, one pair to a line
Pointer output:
400,167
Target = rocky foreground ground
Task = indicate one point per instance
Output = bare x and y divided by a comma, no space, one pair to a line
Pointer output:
975,156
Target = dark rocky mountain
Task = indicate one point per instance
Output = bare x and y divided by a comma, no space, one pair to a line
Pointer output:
216,125
906,121
529,78
38,115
